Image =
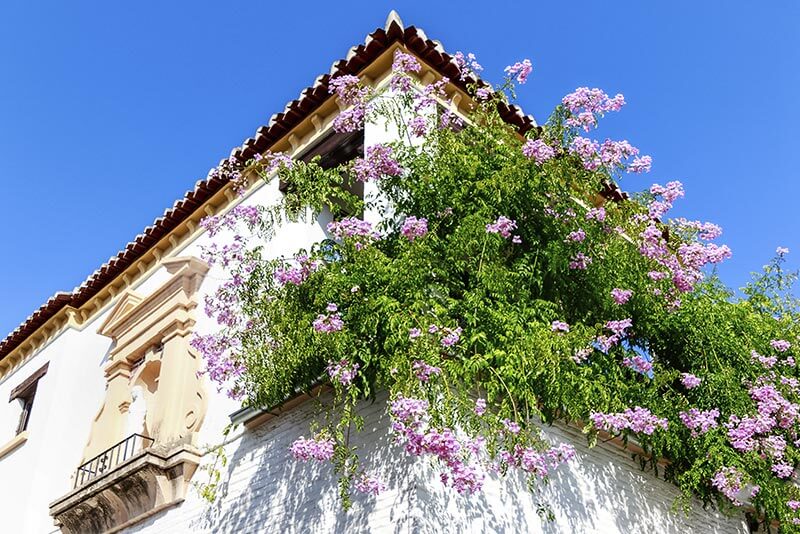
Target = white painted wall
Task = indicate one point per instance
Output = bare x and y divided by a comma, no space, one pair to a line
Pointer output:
265,491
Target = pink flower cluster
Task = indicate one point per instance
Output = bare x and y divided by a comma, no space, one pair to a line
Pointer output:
597,214
520,69
250,215
538,150
576,236
621,296
586,105
728,481
699,422
312,449
451,336
448,336
330,322
411,427
354,227
609,156
690,381
413,228
638,363
559,326
685,266
637,419
512,426
538,463
704,230
775,414
221,365
378,161
619,327
768,362
403,64
503,226
350,92
467,64
580,261
296,275
780,345
423,371
582,355
342,371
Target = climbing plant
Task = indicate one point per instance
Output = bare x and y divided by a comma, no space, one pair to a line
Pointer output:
506,283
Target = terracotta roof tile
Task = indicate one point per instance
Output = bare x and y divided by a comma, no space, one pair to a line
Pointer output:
279,124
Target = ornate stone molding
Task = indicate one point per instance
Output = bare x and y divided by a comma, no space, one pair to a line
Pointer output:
151,349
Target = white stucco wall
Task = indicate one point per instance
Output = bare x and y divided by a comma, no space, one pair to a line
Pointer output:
265,491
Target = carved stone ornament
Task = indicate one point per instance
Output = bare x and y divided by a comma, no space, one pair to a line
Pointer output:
154,394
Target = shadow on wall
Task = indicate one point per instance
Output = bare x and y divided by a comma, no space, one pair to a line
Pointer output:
602,491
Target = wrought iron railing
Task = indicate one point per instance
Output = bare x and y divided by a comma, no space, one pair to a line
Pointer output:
110,458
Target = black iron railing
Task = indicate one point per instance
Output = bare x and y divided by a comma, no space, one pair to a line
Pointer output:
111,457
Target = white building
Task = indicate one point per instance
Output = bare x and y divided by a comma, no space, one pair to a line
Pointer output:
107,419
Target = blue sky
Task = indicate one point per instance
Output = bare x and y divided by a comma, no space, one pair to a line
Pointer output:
110,111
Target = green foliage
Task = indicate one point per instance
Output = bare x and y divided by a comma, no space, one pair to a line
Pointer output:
505,296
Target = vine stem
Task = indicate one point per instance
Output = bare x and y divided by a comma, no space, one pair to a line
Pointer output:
510,397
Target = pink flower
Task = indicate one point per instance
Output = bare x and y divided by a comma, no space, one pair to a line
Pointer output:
782,251
699,422
636,419
619,327
451,337
729,481
780,345
423,371
378,161
520,69
640,164
690,381
621,296
353,227
503,226
511,426
483,93
343,371
330,323
580,261
480,406
638,363
598,214
559,326
782,470
585,105
467,65
576,236
413,228
404,62
402,65
538,150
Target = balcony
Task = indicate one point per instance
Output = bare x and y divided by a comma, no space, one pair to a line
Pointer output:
128,482
110,458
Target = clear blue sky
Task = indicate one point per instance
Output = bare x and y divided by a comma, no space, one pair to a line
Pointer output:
110,111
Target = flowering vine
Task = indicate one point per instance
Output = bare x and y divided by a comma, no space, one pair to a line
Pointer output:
501,287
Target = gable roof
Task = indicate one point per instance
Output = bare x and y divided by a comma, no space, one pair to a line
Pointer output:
280,124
